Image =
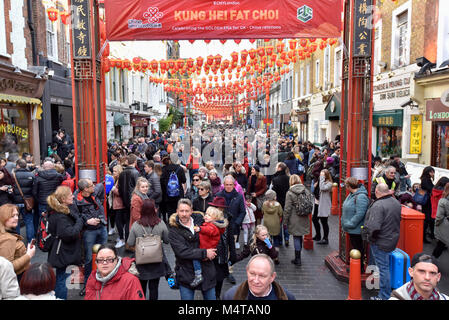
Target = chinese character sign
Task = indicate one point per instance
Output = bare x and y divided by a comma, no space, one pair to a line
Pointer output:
81,29
363,24
415,133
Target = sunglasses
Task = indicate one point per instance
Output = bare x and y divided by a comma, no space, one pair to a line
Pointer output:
202,189
196,179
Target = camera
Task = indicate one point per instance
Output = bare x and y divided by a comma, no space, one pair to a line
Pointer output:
9,189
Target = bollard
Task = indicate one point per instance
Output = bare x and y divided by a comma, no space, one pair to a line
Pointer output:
355,284
334,208
95,248
308,240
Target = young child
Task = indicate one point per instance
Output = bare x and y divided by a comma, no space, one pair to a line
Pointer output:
272,217
260,243
248,222
210,232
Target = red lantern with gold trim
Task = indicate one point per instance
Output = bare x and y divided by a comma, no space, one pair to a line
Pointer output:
64,18
52,14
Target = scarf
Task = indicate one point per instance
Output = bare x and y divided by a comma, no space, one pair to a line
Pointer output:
103,280
141,195
414,295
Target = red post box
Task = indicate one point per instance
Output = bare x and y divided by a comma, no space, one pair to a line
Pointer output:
411,233
308,241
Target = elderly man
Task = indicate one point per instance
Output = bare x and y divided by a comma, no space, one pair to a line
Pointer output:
88,199
388,178
185,244
425,275
260,284
381,229
45,183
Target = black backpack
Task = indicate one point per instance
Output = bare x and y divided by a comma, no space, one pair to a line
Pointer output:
44,238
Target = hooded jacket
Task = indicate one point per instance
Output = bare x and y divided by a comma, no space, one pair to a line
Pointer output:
354,210
434,199
298,225
185,245
123,285
272,214
13,249
46,182
281,184
210,233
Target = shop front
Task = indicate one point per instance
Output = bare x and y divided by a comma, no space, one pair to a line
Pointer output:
139,125
332,114
389,132
438,114
20,110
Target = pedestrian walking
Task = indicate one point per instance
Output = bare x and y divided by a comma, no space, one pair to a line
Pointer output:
38,283
381,228
281,184
153,177
139,195
150,223
115,278
272,217
126,184
260,243
249,221
442,223
427,185
325,204
257,186
353,213
192,192
46,182
173,184
215,181
65,224
201,202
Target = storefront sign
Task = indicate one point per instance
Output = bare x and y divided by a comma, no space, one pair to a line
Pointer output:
388,119
81,29
241,19
415,133
303,117
397,91
436,111
362,28
13,129
139,122
13,86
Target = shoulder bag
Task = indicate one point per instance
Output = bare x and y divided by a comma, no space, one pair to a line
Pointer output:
148,248
29,201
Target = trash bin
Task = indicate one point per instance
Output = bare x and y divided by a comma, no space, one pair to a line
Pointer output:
411,232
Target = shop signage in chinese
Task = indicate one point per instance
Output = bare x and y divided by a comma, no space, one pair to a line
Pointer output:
81,29
363,28
388,119
12,86
242,19
436,111
139,122
415,133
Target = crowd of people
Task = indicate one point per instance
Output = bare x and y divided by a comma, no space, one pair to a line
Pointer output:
205,210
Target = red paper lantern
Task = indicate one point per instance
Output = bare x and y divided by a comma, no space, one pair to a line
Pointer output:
292,44
237,41
192,41
52,14
136,60
126,63
223,41
303,43
252,40
144,64
64,18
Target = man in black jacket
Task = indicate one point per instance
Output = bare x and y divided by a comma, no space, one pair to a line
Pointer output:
46,182
185,244
25,179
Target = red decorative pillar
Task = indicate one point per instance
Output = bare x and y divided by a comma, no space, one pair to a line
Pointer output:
308,241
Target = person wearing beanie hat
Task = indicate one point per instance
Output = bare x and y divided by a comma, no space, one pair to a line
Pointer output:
425,275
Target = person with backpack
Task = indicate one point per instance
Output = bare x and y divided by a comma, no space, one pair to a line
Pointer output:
298,207
173,184
46,182
353,213
65,226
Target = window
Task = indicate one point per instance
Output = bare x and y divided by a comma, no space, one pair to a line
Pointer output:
301,84
308,78
337,67
122,85
297,84
400,53
114,83
52,41
377,47
317,73
3,50
443,33
327,68
290,91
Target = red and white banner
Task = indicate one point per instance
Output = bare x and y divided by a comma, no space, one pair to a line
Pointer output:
209,19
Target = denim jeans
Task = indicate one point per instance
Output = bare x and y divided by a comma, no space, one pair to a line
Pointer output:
197,266
91,237
297,242
285,232
28,218
61,287
382,259
189,294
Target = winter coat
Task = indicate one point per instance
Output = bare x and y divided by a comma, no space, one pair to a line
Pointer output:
292,165
403,292
149,271
272,215
427,184
122,286
186,248
242,292
297,225
136,209
261,184
324,208
442,221
354,210
249,217
66,225
6,197
192,193
126,184
255,248
382,222
155,190
117,202
201,204
237,187
216,185
13,249
25,179
9,287
89,209
45,183
166,171
210,233
236,211
434,199
281,184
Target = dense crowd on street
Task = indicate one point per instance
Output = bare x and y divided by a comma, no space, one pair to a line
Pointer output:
213,208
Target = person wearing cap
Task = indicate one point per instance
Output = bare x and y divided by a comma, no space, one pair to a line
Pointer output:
425,275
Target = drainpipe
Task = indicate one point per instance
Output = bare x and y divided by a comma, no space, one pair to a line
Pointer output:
32,31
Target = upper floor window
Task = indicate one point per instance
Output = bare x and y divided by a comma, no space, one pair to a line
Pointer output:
317,73
52,40
338,67
400,53
3,50
443,33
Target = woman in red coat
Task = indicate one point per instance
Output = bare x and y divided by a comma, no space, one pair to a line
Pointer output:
113,279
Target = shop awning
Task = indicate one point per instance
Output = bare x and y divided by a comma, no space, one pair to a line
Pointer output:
119,119
9,98
333,107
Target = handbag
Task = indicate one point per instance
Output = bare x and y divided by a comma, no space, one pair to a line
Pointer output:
29,202
148,248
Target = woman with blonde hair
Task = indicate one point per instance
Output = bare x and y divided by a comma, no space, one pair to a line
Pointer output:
260,243
65,225
11,244
139,194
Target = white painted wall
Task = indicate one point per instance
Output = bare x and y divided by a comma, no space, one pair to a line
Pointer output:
17,35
